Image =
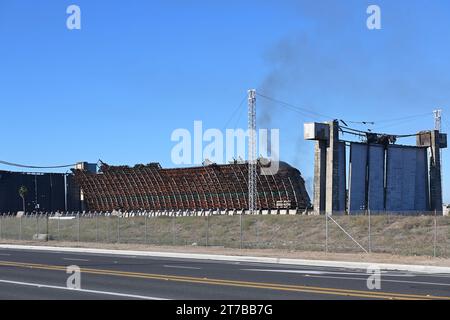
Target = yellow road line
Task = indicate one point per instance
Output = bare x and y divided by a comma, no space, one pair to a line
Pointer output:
235,283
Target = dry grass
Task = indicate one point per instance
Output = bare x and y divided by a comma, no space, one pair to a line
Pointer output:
393,235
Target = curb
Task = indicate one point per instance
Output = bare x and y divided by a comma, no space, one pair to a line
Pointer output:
201,256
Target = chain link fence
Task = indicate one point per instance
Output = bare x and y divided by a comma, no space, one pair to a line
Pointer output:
424,235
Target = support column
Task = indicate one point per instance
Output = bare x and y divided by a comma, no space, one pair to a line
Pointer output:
435,173
320,156
334,202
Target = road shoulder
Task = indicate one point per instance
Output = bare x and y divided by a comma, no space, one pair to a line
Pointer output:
353,261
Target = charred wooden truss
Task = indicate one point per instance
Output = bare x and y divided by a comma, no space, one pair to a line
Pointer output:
150,187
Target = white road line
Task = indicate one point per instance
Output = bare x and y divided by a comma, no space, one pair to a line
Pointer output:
182,267
287,271
75,259
109,293
327,272
384,280
424,269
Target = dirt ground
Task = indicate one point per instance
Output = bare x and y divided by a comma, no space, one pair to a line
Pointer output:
354,257
390,235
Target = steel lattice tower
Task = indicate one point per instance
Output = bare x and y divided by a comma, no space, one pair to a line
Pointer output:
437,119
438,126
252,151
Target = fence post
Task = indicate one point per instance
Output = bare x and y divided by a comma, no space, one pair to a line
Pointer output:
257,231
1,221
59,229
20,228
435,234
241,242
118,229
370,232
96,227
108,228
146,217
207,229
326,232
173,229
47,231
78,231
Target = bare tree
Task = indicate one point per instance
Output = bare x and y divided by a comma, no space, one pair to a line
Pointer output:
23,193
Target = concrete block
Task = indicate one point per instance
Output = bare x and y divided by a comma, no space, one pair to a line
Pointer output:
42,237
316,131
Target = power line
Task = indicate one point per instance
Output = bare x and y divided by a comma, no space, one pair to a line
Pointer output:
303,114
303,110
403,118
399,123
234,112
361,122
353,133
307,112
313,114
238,119
11,164
361,132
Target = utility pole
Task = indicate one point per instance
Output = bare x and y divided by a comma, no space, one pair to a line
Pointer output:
251,159
252,151
438,126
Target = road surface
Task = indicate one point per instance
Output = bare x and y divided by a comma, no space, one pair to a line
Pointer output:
28,274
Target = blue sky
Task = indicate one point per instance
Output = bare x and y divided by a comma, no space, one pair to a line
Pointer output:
137,70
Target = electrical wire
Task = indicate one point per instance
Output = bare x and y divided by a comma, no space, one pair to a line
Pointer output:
303,114
293,107
361,122
239,108
403,118
309,113
313,114
11,164
395,135
397,124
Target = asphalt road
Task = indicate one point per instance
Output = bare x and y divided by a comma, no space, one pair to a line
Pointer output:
27,274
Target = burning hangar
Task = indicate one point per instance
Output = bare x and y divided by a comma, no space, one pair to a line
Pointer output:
151,187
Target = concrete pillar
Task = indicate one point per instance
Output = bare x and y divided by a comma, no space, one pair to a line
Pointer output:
320,156
435,172
335,172
435,141
329,167
342,178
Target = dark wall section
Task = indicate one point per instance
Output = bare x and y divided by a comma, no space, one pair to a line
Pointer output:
46,192
73,194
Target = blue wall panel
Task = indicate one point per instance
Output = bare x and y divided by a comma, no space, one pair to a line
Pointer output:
407,181
357,181
376,177
394,179
421,193
398,178
342,176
